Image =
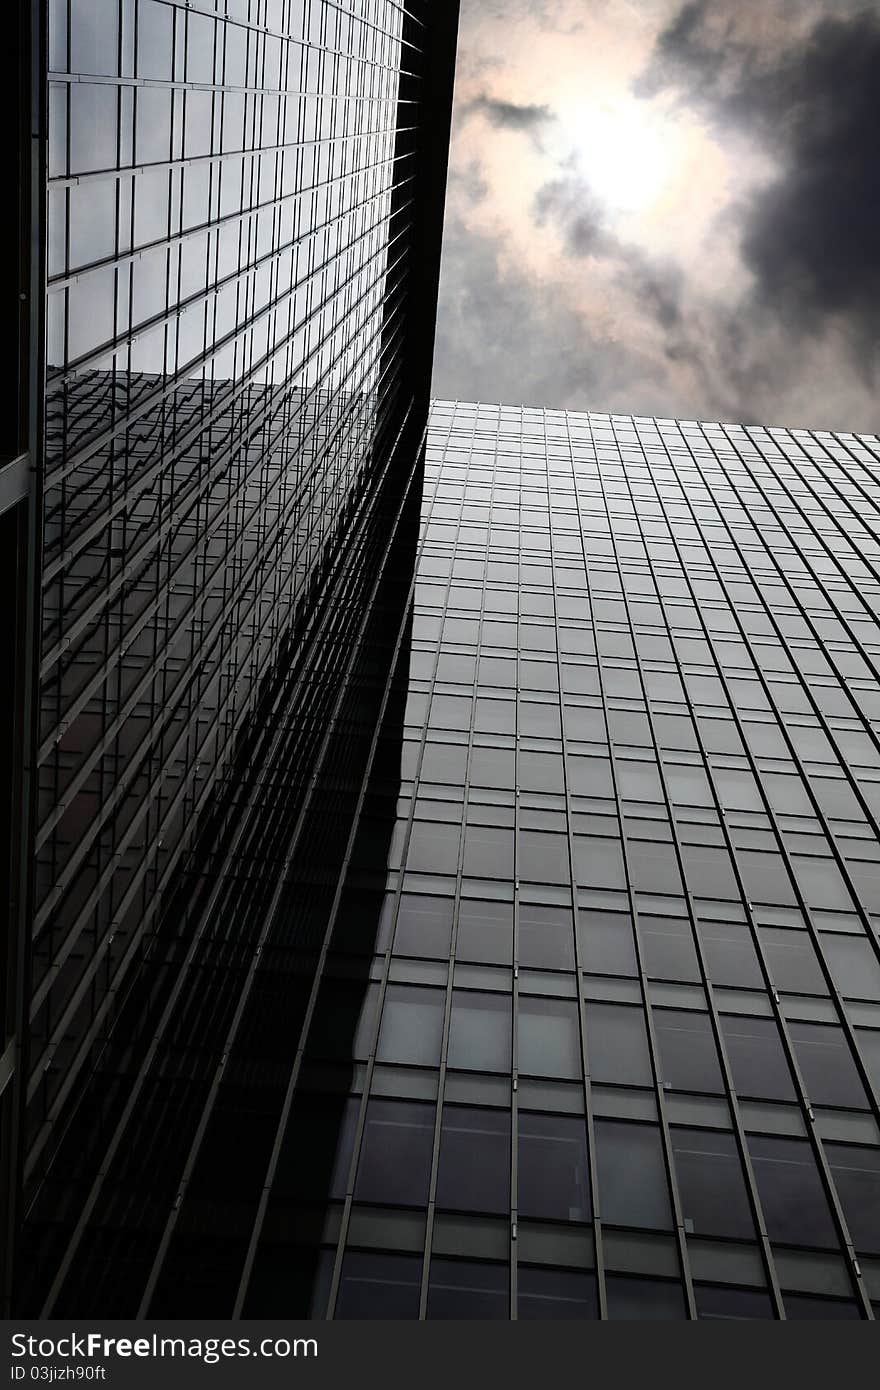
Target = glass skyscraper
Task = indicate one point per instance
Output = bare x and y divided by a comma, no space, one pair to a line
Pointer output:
446,869
619,1052
230,223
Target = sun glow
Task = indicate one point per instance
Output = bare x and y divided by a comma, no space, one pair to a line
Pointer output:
626,150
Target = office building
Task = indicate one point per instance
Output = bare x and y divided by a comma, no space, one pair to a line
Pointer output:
597,1031
446,872
230,221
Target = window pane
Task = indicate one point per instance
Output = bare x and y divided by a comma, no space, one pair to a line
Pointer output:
552,1173
688,1055
730,955
543,858
792,1197
485,932
479,1033
547,1036
433,848
632,1175
643,1300
801,1307
757,1059
395,1162
617,1044
424,926
545,1294
464,1289
794,965
668,947
488,852
829,1072
714,1201
474,1163
412,1025
598,862
379,1286
720,1302
854,966
856,1174
546,937
606,943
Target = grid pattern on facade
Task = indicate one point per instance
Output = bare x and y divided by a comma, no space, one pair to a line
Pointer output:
183,1095
230,208
616,1051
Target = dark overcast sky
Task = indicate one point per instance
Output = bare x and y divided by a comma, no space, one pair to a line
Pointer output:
667,209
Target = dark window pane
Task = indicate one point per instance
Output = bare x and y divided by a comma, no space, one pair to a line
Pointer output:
800,1307
730,955
606,943
479,1032
757,1059
433,848
717,1301
464,1289
543,858
412,1025
856,1173
714,1200
548,1038
552,1174
395,1161
792,960
545,1294
546,937
318,1168
424,926
344,1019
632,1175
379,1286
854,966
688,1055
643,1300
668,948
617,1044
485,932
827,1065
598,862
488,852
474,1164
792,1197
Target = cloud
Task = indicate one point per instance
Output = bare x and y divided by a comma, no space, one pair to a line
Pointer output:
569,202
744,288
811,236
511,115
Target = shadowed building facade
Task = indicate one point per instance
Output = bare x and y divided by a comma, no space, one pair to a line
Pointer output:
230,234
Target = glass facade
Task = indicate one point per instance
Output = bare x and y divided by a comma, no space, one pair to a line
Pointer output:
595,1021
455,861
235,254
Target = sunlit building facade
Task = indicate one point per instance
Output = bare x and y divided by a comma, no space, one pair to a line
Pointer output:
230,225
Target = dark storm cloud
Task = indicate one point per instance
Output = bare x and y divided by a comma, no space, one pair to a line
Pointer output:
812,236
510,115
